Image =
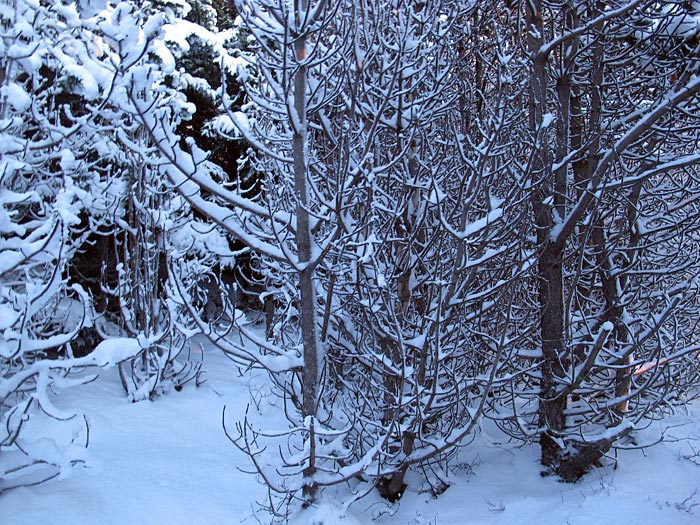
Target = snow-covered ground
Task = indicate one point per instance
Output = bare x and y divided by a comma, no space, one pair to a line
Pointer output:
169,462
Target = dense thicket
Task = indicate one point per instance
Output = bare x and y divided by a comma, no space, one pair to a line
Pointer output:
452,210
89,229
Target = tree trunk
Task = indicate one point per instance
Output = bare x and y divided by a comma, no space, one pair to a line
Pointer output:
307,291
550,265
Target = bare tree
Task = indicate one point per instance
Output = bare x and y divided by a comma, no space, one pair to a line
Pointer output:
465,211
435,247
613,134
50,116
352,119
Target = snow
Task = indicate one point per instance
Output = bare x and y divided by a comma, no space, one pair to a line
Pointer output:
607,327
90,89
547,120
325,513
168,461
67,161
176,33
16,96
114,351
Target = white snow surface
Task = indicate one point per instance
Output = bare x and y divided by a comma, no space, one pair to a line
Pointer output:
169,462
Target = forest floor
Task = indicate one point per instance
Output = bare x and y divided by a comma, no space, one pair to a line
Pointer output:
168,462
